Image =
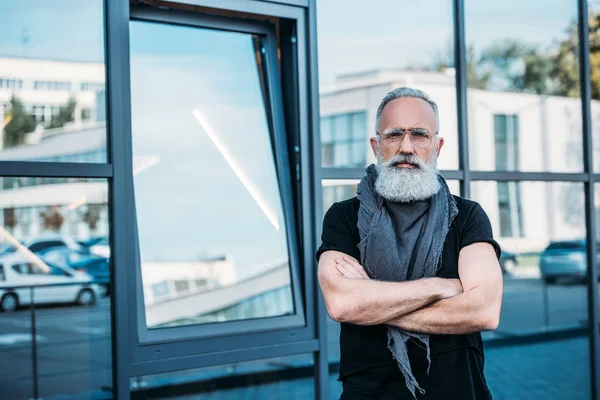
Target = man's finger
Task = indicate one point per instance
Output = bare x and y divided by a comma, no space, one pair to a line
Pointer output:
356,265
356,272
346,272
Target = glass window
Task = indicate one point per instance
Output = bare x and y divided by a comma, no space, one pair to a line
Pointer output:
545,290
509,208
73,335
344,140
46,52
594,32
365,53
523,87
207,194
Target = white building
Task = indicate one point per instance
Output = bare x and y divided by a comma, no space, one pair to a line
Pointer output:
43,86
507,132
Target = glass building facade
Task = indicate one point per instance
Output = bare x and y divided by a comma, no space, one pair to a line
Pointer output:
165,167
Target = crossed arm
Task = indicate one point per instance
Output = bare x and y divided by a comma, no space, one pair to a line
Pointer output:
429,305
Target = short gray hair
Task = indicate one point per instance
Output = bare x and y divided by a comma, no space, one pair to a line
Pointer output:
402,92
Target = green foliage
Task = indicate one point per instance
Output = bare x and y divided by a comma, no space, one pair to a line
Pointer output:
20,124
66,114
518,66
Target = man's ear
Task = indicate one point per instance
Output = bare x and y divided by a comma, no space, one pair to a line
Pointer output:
440,145
374,146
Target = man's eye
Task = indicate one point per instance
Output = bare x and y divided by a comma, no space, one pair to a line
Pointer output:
418,133
395,134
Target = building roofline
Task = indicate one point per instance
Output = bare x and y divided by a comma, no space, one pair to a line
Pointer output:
50,59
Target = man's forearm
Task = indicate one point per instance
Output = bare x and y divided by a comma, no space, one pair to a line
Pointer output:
471,311
370,302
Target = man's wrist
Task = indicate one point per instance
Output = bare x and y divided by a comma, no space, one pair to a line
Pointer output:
437,288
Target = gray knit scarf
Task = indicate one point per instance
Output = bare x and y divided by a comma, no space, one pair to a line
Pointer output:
379,254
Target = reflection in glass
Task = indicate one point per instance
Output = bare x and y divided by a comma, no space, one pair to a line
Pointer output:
542,234
50,233
364,54
288,377
52,81
210,219
594,39
523,92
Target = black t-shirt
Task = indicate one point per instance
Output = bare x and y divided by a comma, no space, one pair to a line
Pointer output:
366,364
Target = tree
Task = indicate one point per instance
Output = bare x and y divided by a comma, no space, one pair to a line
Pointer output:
91,216
594,35
476,78
66,114
527,68
444,59
20,123
52,218
10,218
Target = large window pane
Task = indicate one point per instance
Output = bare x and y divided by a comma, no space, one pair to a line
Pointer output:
55,233
541,229
594,38
52,81
210,218
366,52
288,377
523,86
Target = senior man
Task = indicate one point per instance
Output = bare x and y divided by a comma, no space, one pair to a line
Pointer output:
410,271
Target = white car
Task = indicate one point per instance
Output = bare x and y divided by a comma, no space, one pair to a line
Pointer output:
17,271
101,249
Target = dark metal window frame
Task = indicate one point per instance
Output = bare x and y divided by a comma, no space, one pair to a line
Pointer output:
274,112
272,337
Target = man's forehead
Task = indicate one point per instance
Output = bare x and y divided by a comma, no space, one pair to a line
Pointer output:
407,113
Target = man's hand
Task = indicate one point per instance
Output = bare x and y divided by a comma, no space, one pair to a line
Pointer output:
475,310
453,287
351,269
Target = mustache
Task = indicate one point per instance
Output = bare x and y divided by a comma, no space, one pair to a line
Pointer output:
404,159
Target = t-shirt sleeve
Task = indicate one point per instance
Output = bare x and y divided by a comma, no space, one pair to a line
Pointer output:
337,234
478,229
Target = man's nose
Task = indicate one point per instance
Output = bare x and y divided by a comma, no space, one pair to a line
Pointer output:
406,146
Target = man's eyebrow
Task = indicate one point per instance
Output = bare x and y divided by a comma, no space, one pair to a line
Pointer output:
402,130
393,130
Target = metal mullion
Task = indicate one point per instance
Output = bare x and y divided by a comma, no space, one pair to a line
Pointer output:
55,169
593,307
197,20
119,151
278,9
461,95
297,3
339,173
321,358
529,176
358,173
151,367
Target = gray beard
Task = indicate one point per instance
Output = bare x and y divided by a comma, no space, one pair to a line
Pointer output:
404,185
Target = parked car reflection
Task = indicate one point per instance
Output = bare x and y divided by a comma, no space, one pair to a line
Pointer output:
97,267
72,286
564,259
42,243
508,262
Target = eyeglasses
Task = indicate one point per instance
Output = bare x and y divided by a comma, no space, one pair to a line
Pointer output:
418,136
